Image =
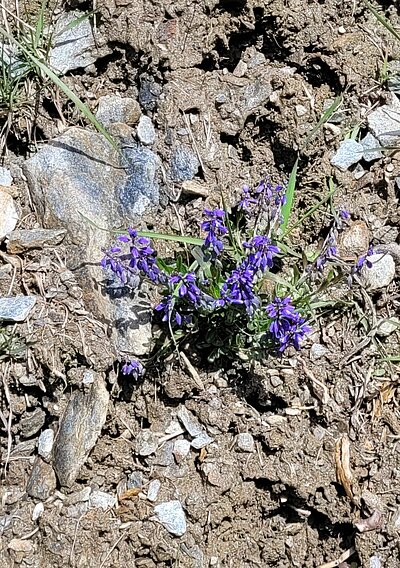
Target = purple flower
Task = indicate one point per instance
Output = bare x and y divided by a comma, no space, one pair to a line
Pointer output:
271,195
215,228
166,307
328,252
133,368
364,260
141,258
287,327
238,289
247,200
344,214
187,286
262,253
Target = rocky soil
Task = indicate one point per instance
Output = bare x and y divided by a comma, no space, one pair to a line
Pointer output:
294,462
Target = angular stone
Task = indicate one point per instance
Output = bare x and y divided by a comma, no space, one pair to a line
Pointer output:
371,148
22,240
318,351
386,327
153,489
145,131
79,429
32,422
16,308
245,442
146,443
45,444
189,421
74,44
349,152
380,274
8,214
184,164
172,516
42,481
201,441
384,123
102,500
113,109
354,240
181,450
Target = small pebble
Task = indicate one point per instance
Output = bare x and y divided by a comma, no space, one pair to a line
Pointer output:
153,489
245,442
102,500
318,351
371,147
341,30
181,450
172,516
381,273
146,443
386,327
8,214
45,444
145,131
37,511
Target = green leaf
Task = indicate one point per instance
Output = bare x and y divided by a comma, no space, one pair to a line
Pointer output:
287,208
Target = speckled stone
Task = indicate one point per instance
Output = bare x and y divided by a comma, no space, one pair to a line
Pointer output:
8,214
42,481
113,109
172,516
349,152
16,308
184,164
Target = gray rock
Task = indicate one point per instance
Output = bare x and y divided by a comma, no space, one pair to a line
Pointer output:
189,421
149,92
102,500
145,131
141,188
349,152
45,444
181,450
146,443
113,108
16,308
8,214
318,351
42,481
79,496
245,442
381,273
5,176
384,123
172,516
371,148
386,327
135,480
134,326
74,45
201,441
375,562
358,172
22,240
79,429
184,164
165,456
32,422
394,76
153,489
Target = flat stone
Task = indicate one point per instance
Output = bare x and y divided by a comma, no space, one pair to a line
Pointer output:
386,327
201,441
145,131
5,176
181,450
22,240
146,443
318,351
79,496
16,308
114,108
384,123
21,545
45,444
142,188
172,516
32,422
371,147
245,442
349,152
153,489
381,273
8,214
79,429
102,500
42,481
189,421
184,164
73,44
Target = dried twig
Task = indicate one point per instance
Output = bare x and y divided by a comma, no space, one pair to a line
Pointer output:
342,558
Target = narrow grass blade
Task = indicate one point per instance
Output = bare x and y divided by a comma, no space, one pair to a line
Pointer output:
287,208
324,118
381,19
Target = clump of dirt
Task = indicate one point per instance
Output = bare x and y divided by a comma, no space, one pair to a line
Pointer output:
290,463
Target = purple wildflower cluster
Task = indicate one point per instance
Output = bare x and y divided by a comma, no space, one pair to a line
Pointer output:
266,195
141,259
133,368
329,248
215,228
186,288
288,327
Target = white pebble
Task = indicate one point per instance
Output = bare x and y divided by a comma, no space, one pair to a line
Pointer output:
45,444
